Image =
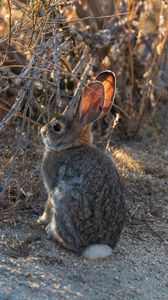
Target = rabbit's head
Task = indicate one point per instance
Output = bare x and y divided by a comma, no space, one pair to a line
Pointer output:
70,130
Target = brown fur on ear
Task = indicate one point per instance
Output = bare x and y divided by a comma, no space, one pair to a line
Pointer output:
108,80
92,102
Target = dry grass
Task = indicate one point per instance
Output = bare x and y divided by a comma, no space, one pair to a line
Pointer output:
125,160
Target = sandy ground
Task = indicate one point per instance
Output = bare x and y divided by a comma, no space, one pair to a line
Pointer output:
33,267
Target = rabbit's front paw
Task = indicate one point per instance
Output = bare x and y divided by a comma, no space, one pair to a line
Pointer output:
43,218
51,229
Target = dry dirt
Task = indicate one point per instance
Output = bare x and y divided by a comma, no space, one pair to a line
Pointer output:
33,267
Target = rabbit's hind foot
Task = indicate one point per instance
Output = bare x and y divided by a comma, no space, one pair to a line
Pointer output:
51,229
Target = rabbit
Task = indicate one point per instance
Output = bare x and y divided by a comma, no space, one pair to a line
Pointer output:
85,209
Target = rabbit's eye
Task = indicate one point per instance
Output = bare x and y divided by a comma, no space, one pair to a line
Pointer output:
57,127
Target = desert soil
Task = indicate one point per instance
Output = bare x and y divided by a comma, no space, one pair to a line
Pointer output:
33,267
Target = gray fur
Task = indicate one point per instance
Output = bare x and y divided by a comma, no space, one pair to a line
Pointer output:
85,209
85,192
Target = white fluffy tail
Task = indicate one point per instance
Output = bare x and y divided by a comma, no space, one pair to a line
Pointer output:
97,251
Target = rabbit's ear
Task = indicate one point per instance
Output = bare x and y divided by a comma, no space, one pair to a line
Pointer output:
109,82
91,103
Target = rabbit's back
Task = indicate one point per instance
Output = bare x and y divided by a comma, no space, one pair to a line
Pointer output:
88,196
88,167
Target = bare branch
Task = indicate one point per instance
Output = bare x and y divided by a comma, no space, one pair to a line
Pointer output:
56,58
16,106
74,101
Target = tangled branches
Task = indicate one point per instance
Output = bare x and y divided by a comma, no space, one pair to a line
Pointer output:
48,49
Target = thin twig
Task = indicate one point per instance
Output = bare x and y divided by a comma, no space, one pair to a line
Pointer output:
154,231
55,60
97,17
22,92
116,120
81,63
7,107
73,103
18,145
16,106
10,22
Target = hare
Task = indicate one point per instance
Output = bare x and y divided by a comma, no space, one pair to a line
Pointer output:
85,209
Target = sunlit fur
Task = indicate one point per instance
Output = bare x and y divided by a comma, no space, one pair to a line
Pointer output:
71,135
